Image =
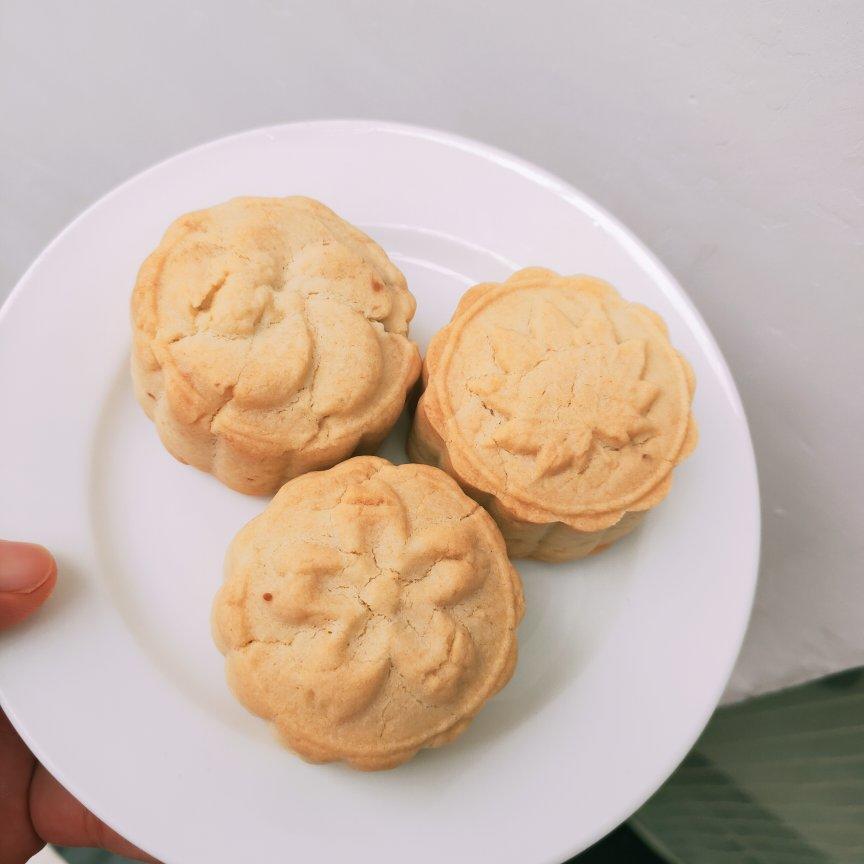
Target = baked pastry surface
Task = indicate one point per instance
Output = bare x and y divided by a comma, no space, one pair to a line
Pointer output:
559,406
368,612
270,339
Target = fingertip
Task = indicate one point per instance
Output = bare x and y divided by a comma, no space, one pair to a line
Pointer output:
28,574
24,567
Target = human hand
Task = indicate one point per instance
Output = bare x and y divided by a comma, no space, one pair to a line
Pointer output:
34,808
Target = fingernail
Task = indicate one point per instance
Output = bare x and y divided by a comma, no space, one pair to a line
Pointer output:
24,567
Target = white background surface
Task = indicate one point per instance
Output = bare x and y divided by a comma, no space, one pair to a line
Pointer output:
729,136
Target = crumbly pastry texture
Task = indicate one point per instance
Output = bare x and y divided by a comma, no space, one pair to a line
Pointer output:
368,612
270,339
559,406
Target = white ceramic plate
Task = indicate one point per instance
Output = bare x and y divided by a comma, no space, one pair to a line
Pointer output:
116,685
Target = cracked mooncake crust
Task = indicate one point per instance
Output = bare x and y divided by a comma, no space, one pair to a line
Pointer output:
368,612
270,339
559,406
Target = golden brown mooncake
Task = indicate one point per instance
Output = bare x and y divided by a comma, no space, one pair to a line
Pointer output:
270,339
559,406
368,612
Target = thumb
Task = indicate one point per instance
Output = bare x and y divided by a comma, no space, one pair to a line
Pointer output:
27,576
